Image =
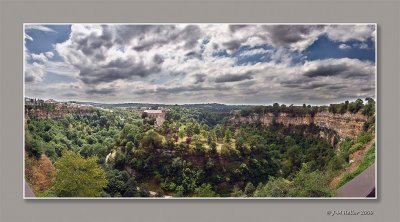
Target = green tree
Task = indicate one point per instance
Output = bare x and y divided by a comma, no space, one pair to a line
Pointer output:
276,187
151,141
78,177
309,183
369,108
249,189
205,190
228,136
131,188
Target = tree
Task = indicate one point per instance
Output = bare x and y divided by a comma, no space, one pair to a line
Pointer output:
119,161
309,183
39,173
369,108
181,133
205,190
131,188
116,181
228,136
249,189
276,187
151,141
198,145
78,177
356,106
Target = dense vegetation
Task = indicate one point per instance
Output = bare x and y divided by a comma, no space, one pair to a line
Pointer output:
196,152
341,108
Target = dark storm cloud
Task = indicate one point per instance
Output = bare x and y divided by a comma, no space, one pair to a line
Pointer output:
194,54
246,83
29,79
343,70
158,59
180,89
327,70
234,28
336,87
313,86
125,33
367,89
105,91
112,72
170,34
94,47
284,35
232,45
199,78
234,77
70,94
295,83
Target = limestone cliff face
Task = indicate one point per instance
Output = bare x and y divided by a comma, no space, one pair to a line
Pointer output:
59,111
345,125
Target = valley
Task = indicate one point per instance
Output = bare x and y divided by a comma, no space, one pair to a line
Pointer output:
196,150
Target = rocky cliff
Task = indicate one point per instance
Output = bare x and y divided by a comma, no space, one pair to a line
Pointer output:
55,112
345,125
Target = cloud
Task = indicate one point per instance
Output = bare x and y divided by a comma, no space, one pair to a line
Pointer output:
344,46
183,63
70,94
297,37
39,57
361,45
346,68
103,54
49,54
39,27
199,78
344,33
180,89
232,45
234,77
104,91
26,36
253,52
34,72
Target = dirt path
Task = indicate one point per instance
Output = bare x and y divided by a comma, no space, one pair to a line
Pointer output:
356,157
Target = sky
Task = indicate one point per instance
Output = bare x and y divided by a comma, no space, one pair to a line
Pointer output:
200,63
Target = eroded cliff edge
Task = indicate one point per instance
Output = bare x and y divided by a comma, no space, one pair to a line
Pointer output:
345,125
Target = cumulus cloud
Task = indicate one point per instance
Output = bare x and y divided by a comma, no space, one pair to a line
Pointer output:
344,33
39,57
255,52
331,80
103,91
200,63
107,53
346,68
344,46
361,45
234,77
297,37
34,72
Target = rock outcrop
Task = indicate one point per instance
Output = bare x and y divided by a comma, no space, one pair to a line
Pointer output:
56,112
345,125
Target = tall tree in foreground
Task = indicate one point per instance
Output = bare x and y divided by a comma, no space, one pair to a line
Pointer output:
78,177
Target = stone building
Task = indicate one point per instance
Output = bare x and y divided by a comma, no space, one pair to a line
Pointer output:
157,115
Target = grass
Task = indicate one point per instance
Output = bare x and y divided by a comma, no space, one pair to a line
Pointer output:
367,160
